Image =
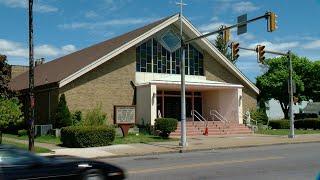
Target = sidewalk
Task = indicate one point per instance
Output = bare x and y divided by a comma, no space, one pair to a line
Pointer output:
44,145
194,144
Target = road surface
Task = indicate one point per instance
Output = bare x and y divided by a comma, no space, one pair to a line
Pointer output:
295,161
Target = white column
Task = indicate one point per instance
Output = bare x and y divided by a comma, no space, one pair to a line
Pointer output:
240,110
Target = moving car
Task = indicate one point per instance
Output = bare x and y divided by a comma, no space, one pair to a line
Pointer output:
19,164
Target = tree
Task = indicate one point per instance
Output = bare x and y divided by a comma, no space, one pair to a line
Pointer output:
10,113
223,47
4,76
62,116
313,86
274,82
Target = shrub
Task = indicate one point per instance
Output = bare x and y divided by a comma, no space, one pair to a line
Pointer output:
76,117
62,116
22,132
305,115
259,115
165,126
279,124
94,117
310,123
87,136
10,113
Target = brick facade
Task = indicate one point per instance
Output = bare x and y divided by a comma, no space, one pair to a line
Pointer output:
108,85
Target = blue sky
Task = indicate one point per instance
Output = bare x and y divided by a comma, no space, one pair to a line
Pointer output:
64,26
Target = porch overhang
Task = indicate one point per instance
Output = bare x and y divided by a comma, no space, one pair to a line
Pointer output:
203,85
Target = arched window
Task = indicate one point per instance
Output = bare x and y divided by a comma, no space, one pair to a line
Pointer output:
151,56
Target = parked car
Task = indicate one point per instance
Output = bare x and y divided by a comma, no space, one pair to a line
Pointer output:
19,164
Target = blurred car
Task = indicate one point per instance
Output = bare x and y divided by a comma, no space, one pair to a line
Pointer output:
19,164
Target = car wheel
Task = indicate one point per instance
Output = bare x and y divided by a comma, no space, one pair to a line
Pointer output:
93,175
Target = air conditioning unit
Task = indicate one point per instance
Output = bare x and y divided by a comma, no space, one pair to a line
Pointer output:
41,130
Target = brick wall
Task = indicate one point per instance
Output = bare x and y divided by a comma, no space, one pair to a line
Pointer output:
216,72
108,85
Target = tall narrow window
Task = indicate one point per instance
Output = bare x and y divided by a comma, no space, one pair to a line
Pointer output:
151,56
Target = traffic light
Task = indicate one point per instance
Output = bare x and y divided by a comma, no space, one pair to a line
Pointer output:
260,50
234,50
226,35
272,22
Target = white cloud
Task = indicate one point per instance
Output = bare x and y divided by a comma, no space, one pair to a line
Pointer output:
244,7
212,26
312,45
114,22
38,6
18,50
91,14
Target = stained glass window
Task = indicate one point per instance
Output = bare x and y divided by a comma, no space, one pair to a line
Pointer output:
152,56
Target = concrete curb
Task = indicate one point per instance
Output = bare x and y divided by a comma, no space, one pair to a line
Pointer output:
198,150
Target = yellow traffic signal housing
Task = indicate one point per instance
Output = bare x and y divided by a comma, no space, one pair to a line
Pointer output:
260,50
272,22
235,50
226,36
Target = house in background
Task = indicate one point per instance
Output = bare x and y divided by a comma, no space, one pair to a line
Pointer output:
312,108
275,112
141,68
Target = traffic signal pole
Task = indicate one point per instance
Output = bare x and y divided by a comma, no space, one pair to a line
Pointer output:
266,15
288,55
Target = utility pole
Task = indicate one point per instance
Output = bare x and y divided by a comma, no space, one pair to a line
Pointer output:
183,139
291,135
31,79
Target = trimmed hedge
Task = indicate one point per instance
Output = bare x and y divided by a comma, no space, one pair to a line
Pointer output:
22,132
305,115
279,124
87,136
165,126
310,123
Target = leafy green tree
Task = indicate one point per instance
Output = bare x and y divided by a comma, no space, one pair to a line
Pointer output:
62,116
223,47
10,113
313,86
274,82
4,77
95,117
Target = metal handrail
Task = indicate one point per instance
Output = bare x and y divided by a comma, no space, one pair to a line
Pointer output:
196,114
255,121
216,114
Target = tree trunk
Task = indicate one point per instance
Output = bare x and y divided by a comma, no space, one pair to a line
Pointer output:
285,110
0,137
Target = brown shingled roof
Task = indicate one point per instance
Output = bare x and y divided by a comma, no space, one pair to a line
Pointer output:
59,69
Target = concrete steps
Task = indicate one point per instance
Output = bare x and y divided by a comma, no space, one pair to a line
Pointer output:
214,128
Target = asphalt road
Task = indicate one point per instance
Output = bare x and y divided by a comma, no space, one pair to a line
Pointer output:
295,161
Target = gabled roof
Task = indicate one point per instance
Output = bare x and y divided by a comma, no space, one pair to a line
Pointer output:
59,69
68,68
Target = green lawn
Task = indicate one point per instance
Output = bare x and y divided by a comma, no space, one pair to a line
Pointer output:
42,139
25,146
286,131
141,138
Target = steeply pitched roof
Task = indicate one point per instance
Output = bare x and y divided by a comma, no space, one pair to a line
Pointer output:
68,68
59,69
